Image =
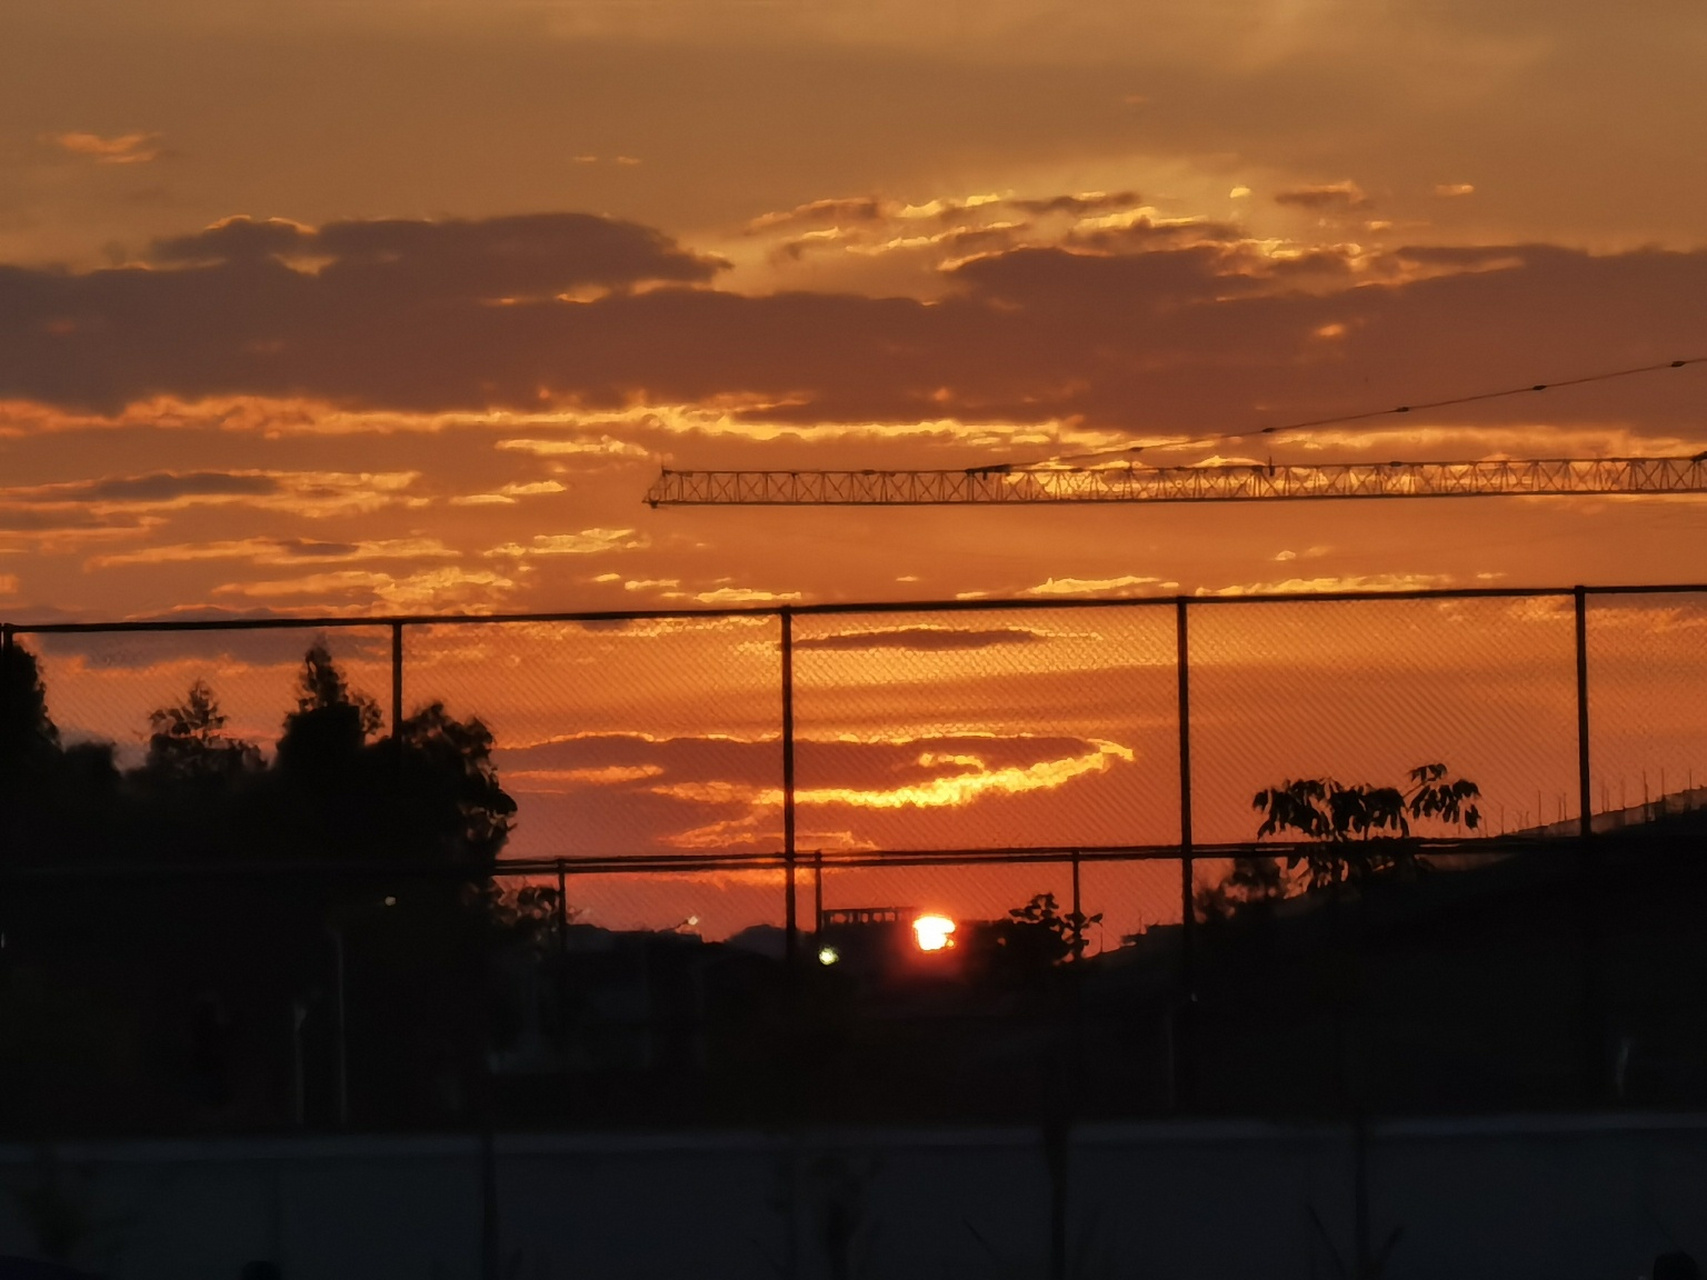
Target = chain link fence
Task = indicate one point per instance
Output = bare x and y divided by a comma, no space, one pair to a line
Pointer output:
727,825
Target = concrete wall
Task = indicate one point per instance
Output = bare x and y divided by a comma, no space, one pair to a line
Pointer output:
1589,1197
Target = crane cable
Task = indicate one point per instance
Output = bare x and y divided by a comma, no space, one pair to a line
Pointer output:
1350,417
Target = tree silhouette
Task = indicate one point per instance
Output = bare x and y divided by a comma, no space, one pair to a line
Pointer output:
187,742
52,797
29,749
1362,827
453,804
331,723
1252,887
26,729
429,792
1039,935
333,796
405,958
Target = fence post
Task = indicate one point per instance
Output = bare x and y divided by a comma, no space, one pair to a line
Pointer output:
791,925
562,967
396,679
1585,798
1184,1042
397,738
794,1090
5,710
1592,1013
1079,936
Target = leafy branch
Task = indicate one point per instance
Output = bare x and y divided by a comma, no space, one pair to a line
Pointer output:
1363,826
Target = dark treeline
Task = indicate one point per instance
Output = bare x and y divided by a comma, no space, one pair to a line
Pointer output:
158,1002
335,787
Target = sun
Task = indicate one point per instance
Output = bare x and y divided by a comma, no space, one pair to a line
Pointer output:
933,932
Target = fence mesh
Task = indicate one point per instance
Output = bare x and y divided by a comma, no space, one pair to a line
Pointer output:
1027,728
1647,658
1017,769
1365,690
104,687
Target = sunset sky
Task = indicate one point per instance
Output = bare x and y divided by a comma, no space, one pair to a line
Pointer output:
398,306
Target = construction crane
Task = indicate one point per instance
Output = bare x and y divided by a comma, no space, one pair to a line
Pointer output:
1061,480
1243,482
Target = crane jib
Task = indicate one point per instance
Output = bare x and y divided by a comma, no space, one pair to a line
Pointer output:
1236,483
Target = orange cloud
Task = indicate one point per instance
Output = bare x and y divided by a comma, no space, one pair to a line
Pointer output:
1350,582
856,209
1211,332
975,781
1327,195
941,233
558,781
305,493
124,148
604,445
432,590
631,790
508,495
520,256
1125,585
279,551
726,596
586,542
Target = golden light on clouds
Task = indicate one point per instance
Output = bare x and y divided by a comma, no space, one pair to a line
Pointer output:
723,597
552,780
124,148
1125,585
1327,583
975,781
587,542
509,494
426,591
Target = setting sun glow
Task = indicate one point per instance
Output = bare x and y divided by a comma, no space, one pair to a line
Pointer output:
933,933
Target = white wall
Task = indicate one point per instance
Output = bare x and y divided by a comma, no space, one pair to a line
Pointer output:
1589,1197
